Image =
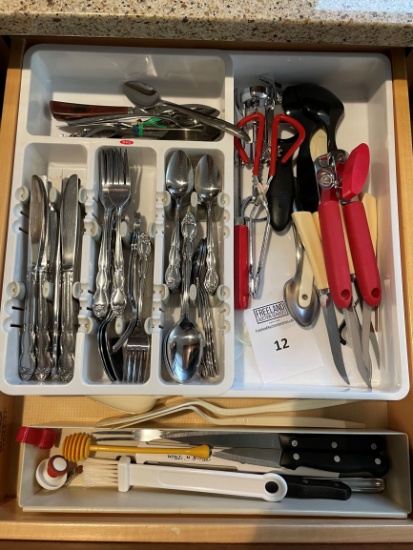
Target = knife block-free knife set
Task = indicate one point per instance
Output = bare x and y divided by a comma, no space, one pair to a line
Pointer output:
375,478
95,75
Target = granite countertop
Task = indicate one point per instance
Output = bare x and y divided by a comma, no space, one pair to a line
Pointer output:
355,22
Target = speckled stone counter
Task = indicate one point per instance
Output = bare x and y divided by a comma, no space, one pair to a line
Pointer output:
355,22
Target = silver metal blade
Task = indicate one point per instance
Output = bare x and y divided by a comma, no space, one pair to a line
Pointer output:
69,222
260,440
36,220
355,343
267,457
334,339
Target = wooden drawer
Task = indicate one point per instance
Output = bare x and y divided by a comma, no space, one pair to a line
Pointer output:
14,524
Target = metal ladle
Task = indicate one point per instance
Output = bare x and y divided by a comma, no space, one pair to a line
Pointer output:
184,345
145,96
303,315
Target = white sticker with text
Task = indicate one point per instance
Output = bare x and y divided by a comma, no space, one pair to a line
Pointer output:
281,348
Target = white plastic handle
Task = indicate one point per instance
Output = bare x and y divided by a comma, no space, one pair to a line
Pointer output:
269,486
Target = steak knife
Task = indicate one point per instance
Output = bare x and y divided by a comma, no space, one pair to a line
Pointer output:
346,463
69,241
37,228
358,443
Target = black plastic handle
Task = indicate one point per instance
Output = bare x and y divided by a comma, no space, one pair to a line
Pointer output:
281,191
307,487
329,442
374,464
307,197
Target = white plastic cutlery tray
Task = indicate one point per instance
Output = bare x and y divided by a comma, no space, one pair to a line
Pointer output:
394,502
95,75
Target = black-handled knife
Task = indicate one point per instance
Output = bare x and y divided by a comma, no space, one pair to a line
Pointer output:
373,464
271,440
307,487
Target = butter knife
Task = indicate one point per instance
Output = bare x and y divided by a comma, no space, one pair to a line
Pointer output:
44,359
69,242
37,216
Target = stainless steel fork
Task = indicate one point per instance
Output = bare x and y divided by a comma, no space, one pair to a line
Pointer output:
101,296
138,345
118,188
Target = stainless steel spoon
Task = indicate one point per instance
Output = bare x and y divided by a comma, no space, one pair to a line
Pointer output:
184,345
304,316
145,96
208,186
179,183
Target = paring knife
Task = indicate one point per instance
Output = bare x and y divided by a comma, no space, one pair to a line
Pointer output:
37,228
373,464
270,440
69,240
307,230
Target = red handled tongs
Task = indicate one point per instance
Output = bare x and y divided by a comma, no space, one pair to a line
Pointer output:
281,186
341,178
257,205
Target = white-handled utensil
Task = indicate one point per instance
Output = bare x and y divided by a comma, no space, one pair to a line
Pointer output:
124,475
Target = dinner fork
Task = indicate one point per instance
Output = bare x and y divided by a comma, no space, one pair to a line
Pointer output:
138,343
118,188
101,296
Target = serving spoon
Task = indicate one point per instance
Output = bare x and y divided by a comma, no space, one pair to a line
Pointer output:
144,95
303,309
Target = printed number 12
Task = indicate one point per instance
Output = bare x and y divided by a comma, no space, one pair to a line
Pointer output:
283,345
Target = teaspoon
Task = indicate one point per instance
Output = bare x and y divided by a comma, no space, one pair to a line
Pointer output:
184,345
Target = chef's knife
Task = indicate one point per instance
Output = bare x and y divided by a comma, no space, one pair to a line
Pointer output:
69,241
374,464
307,230
271,440
37,217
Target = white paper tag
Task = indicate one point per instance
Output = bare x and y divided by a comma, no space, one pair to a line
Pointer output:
282,349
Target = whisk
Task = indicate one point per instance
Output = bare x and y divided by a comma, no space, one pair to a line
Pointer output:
78,446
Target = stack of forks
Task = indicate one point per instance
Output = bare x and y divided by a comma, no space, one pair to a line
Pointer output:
125,359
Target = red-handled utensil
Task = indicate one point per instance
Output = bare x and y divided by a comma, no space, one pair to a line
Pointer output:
342,176
335,255
250,278
241,290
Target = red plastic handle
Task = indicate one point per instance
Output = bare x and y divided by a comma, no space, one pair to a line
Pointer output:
260,118
274,141
335,254
362,252
355,171
241,287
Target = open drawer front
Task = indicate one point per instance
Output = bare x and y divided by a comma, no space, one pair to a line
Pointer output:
36,409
